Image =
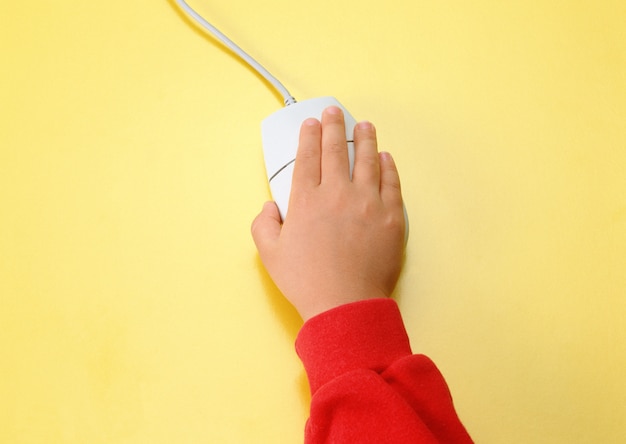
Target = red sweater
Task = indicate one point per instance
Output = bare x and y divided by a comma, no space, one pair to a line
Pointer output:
367,386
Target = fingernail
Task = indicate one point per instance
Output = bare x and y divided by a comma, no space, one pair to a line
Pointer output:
310,122
333,110
385,156
365,125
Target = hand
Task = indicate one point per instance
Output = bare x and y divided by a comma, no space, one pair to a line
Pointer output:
342,240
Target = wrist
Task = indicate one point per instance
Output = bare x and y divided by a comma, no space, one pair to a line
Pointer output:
313,306
367,334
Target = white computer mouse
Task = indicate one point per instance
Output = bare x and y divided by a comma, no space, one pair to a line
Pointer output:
281,132
280,136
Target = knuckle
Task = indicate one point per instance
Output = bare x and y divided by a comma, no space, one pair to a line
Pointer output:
395,221
336,146
368,160
307,152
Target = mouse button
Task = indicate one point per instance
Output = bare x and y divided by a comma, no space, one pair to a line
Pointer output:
350,123
280,186
280,143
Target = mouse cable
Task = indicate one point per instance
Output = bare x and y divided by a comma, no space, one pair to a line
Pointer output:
287,97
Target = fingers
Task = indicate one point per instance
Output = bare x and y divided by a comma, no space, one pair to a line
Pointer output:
366,164
335,163
307,171
390,191
266,228
322,151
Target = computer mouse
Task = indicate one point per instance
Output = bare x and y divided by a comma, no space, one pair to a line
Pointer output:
281,130
280,136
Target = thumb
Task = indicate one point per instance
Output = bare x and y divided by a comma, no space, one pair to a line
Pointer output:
266,227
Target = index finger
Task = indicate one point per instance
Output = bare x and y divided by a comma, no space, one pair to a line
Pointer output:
307,167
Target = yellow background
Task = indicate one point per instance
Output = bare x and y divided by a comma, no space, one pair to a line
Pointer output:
133,308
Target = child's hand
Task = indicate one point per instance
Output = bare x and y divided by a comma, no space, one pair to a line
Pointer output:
342,240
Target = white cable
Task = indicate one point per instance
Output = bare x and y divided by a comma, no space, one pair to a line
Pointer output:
287,97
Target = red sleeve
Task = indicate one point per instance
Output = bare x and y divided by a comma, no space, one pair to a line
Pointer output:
367,386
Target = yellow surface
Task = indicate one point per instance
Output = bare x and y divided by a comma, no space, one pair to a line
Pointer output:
133,308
